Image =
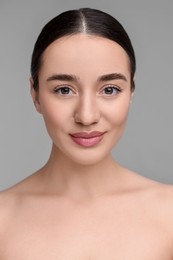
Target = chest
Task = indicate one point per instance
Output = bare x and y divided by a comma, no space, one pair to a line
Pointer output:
83,234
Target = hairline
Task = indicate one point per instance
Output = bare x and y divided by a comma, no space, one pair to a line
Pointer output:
82,33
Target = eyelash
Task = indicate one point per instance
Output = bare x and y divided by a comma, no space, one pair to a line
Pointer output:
112,87
57,90
63,87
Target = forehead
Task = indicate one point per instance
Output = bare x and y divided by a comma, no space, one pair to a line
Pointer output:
85,54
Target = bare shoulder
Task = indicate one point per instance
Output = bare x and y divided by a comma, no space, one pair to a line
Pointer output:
162,195
158,192
164,199
156,197
8,201
163,205
12,197
11,201
7,211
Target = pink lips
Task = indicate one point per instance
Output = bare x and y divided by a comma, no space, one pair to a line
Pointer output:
87,139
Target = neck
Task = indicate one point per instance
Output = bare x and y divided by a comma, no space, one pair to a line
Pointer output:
79,181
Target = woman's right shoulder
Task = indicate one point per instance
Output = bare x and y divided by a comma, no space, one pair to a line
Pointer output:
7,214
12,197
8,204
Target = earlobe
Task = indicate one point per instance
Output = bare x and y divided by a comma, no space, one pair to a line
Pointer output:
133,91
131,99
35,96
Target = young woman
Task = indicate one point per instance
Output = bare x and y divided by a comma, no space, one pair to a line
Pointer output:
82,204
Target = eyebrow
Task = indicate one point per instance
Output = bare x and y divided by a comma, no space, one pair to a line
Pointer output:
73,78
112,76
63,77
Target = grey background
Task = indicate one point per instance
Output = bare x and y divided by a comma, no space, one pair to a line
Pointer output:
147,145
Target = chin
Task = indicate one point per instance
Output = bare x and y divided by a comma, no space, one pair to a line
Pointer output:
88,157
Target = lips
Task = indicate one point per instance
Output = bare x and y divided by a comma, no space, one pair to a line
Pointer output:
87,135
86,139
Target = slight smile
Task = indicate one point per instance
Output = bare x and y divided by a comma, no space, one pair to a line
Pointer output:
87,139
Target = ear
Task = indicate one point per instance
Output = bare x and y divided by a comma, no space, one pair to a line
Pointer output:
131,98
133,92
35,96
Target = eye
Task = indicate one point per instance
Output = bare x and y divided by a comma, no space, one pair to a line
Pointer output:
63,91
111,90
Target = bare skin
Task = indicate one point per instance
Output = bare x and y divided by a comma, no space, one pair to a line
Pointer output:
82,204
132,221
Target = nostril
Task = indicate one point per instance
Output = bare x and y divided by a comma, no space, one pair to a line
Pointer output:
87,111
86,120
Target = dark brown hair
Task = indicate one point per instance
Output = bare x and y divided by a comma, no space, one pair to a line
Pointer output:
89,21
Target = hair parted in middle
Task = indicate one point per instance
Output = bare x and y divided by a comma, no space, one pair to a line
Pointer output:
84,20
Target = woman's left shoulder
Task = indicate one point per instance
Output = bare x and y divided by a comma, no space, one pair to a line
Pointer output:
163,203
164,195
160,194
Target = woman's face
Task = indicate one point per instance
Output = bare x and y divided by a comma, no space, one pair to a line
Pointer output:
84,88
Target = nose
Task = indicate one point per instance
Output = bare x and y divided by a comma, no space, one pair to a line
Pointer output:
87,111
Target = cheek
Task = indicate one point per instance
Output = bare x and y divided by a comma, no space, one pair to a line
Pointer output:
122,112
117,111
55,113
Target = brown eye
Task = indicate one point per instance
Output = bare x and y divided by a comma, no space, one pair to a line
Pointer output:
63,91
110,90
